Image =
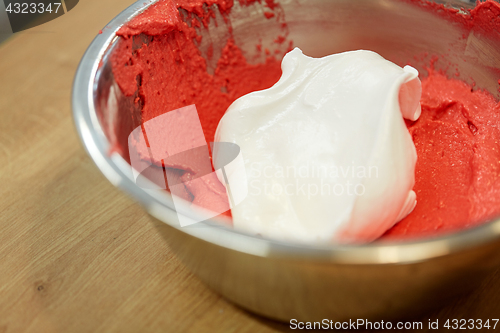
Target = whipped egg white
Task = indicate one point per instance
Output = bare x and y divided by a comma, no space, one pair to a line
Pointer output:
326,151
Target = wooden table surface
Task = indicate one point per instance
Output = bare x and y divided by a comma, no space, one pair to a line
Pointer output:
77,255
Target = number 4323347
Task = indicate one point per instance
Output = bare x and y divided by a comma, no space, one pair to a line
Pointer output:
32,8
463,324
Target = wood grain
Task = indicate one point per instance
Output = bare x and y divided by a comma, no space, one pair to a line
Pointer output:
77,255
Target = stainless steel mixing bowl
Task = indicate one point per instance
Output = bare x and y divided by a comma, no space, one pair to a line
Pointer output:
285,281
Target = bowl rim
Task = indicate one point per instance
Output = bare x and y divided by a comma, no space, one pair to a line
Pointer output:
113,166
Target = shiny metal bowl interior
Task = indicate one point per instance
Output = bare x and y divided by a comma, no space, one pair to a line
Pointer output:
307,282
